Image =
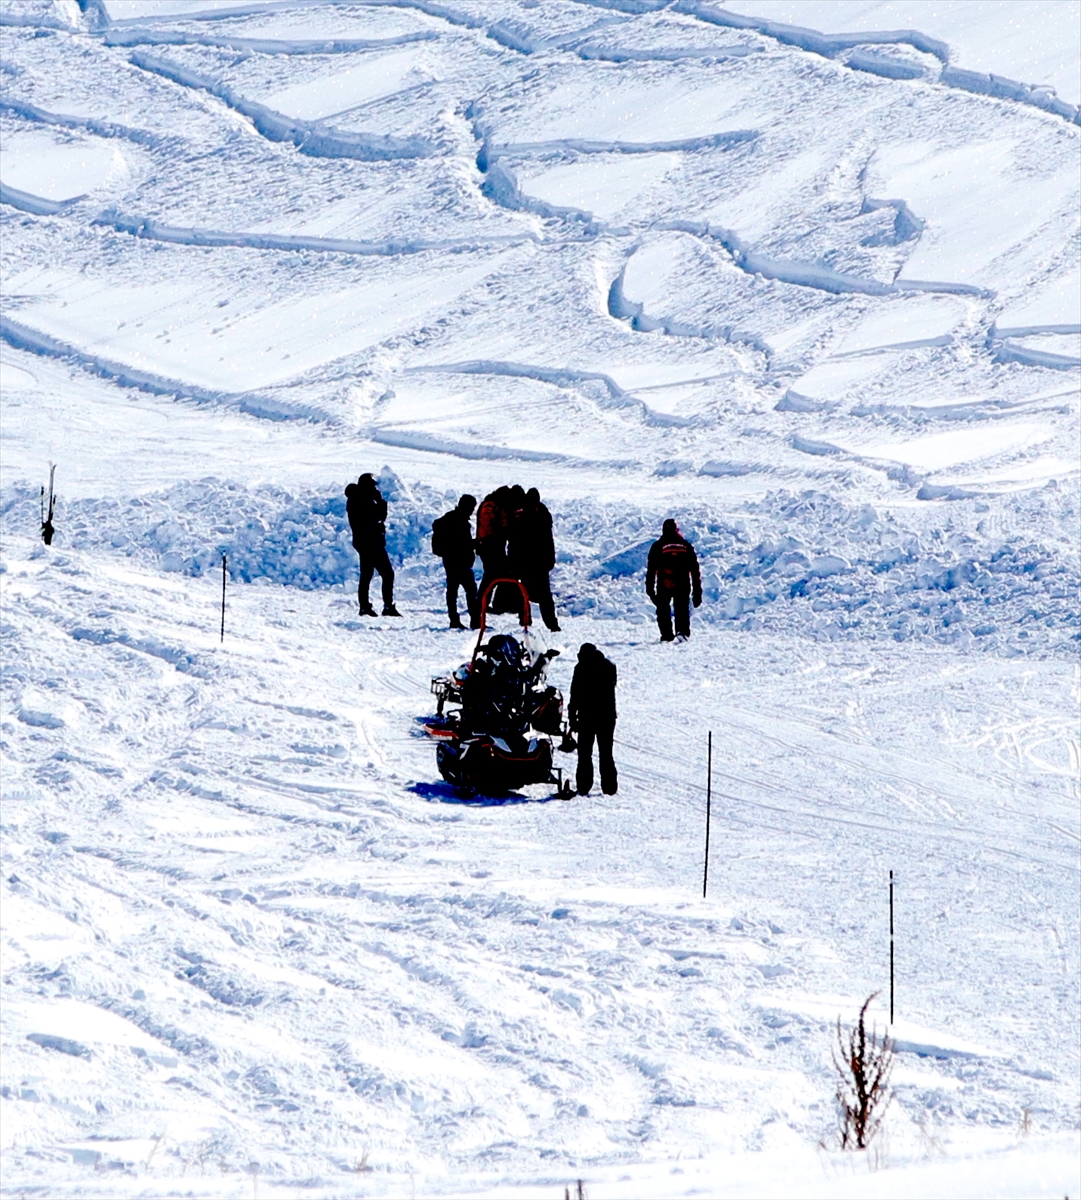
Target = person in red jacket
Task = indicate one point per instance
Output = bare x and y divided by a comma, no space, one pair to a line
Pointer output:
492,535
673,581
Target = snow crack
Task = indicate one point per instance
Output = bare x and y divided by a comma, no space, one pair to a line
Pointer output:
831,45
309,137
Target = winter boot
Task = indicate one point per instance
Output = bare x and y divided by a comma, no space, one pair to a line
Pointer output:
368,611
390,611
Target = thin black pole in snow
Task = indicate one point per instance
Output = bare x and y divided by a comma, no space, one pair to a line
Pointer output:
223,597
709,797
890,947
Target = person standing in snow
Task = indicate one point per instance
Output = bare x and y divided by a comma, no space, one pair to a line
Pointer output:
492,534
592,715
532,554
452,540
497,515
673,581
367,512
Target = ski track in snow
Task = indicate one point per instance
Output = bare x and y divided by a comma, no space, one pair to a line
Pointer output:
251,942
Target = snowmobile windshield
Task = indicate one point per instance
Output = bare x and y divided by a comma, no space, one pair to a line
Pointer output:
532,657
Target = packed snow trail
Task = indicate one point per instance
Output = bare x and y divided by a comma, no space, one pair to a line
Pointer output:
813,291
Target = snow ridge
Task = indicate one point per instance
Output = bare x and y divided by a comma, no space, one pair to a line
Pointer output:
293,46
105,129
830,45
154,231
38,205
609,394
309,137
24,338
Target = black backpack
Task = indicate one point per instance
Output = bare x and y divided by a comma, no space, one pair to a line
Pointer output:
439,548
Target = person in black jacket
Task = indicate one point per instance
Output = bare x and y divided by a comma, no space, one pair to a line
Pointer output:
452,540
592,715
532,554
367,512
673,581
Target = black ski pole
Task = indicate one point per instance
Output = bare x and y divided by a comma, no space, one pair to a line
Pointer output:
223,597
890,947
709,798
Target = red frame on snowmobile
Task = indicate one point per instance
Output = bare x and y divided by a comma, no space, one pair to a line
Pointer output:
525,618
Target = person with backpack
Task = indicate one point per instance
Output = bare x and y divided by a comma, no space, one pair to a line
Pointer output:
591,713
673,581
532,555
452,541
367,512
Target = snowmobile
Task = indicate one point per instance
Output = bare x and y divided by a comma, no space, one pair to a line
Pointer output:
497,734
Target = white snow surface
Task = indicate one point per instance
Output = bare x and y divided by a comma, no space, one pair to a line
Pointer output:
37,162
820,305
1036,41
376,76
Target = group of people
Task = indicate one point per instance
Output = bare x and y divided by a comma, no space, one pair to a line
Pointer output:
514,541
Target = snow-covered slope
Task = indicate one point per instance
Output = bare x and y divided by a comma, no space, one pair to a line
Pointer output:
805,276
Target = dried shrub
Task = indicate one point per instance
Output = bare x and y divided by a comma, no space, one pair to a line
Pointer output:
863,1062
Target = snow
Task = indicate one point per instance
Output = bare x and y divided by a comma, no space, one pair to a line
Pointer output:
198,331
378,76
646,108
137,10
978,206
605,189
16,377
1039,42
906,321
36,162
752,211
1024,474
937,450
819,303
831,379
1057,302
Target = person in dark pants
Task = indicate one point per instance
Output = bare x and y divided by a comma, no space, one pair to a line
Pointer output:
532,554
673,581
367,512
592,715
452,540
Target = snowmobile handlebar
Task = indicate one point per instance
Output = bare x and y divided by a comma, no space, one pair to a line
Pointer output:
525,617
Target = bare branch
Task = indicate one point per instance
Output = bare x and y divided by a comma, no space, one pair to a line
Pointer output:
863,1062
